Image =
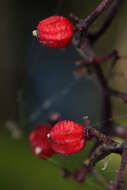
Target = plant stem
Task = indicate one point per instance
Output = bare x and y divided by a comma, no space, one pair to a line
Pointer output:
107,22
95,14
120,178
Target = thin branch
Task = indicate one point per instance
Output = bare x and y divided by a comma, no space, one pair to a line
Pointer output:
98,154
120,178
107,22
104,5
87,49
106,145
121,95
91,132
112,55
99,59
120,131
113,63
101,151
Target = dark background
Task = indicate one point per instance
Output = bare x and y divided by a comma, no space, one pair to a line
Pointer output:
18,19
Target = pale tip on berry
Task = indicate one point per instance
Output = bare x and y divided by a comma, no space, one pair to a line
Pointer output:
48,136
38,150
34,32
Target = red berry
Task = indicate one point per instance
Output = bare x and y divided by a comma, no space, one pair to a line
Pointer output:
67,137
39,141
55,32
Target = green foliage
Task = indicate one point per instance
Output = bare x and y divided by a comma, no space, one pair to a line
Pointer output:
20,170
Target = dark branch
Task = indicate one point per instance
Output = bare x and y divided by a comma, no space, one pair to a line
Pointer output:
120,131
101,151
107,22
87,48
120,178
99,59
121,95
98,154
91,132
106,145
94,15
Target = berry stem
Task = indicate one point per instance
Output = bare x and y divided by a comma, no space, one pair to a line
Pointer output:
92,132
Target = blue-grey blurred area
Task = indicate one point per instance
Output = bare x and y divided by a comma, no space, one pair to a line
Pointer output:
35,73
52,87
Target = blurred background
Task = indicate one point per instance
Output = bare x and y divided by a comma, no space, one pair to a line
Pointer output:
36,82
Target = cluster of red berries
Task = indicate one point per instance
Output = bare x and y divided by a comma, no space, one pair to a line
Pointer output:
54,32
65,137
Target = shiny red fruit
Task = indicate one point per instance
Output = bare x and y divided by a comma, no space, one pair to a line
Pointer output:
55,32
67,137
39,141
